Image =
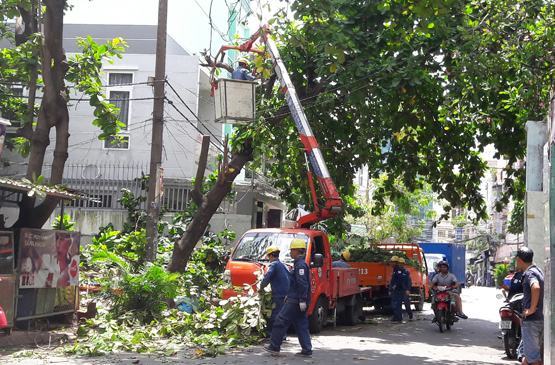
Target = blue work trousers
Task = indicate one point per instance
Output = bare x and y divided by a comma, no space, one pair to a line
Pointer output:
278,303
291,314
397,300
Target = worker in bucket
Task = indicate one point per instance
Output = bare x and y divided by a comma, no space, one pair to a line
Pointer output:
399,287
294,311
242,71
278,278
342,262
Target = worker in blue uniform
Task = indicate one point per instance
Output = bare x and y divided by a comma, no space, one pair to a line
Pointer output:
242,71
277,277
342,262
294,311
399,288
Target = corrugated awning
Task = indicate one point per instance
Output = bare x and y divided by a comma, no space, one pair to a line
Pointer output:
24,185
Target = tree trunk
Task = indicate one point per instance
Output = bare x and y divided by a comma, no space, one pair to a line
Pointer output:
53,113
183,249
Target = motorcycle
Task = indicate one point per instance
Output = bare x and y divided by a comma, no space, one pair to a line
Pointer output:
444,308
510,323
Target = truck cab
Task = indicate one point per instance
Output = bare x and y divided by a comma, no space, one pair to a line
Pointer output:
334,291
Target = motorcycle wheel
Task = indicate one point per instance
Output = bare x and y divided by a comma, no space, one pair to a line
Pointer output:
448,320
510,343
441,320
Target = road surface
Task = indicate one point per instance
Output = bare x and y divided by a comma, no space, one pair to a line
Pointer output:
470,342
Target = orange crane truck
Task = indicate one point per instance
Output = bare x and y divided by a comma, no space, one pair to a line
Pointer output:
337,294
377,275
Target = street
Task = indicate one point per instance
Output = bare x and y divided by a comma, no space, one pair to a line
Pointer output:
473,342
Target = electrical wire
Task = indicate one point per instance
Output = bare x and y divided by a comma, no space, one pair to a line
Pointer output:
149,83
83,99
172,104
188,108
136,125
212,26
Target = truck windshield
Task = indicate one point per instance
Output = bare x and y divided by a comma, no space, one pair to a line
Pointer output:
252,246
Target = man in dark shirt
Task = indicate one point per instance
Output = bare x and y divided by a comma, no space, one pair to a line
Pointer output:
242,71
400,286
342,262
278,278
296,304
532,304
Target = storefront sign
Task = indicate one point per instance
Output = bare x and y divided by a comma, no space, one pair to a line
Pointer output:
48,259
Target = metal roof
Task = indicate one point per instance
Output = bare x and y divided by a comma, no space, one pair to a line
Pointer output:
140,39
26,186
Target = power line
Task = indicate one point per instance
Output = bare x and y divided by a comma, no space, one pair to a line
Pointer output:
83,99
212,26
149,83
171,103
190,110
139,125
220,149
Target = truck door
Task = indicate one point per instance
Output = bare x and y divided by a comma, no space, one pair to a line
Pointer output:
320,276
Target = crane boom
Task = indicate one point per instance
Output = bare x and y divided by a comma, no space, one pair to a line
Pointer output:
333,204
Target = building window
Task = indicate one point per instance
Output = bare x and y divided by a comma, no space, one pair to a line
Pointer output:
121,100
119,93
120,79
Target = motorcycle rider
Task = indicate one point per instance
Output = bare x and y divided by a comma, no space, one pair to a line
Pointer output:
445,278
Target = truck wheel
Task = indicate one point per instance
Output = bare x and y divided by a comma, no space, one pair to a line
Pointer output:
319,317
353,314
420,305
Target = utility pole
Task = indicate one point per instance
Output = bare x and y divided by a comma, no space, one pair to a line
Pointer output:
155,176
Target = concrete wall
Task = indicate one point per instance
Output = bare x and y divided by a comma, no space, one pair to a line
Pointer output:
535,228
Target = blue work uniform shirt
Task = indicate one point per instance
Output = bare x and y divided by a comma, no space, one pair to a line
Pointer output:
278,278
241,73
400,280
341,264
299,282
532,275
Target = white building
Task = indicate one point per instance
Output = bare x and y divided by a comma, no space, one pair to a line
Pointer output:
102,168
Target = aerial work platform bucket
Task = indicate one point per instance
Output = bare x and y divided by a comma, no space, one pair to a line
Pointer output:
235,101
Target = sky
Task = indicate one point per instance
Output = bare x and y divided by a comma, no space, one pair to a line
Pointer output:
188,21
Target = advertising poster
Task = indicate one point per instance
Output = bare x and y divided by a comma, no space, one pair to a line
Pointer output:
48,259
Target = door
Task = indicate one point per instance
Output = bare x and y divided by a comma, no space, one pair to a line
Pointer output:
320,276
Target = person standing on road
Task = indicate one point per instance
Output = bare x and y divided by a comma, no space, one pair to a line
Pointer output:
399,287
296,304
445,278
278,278
532,304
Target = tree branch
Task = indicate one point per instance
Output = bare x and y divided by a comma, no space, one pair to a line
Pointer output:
198,198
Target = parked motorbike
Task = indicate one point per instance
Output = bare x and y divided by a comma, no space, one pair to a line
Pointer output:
510,323
444,308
